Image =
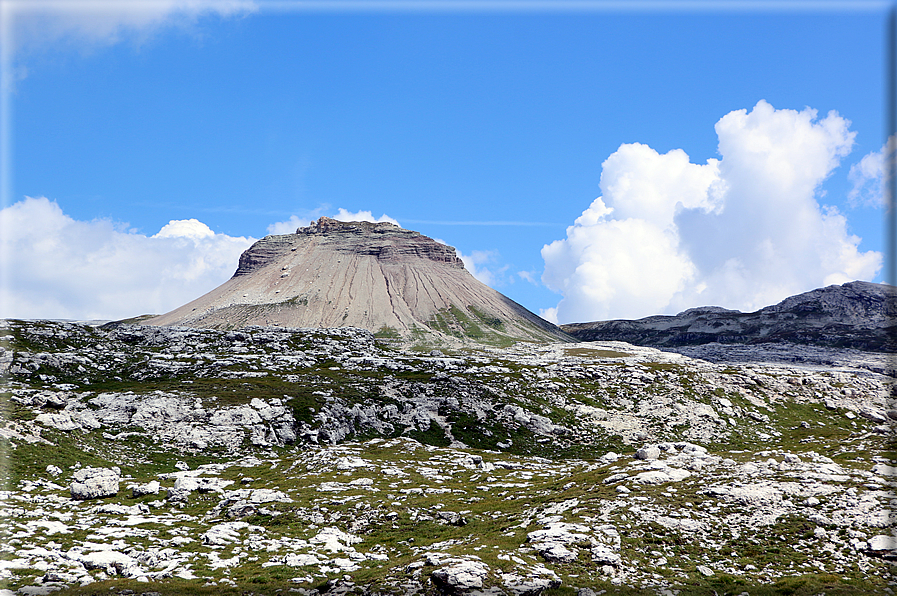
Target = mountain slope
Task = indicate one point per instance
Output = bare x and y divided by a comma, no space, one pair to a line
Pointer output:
388,280
859,315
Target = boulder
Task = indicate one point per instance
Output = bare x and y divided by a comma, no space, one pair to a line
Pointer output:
460,575
648,452
141,490
883,545
95,483
224,533
520,585
112,562
451,518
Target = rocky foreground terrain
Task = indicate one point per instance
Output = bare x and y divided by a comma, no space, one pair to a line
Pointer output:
154,460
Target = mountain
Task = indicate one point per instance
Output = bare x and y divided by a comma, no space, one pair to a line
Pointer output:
858,315
394,282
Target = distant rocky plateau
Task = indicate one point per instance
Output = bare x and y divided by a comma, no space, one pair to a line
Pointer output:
857,315
264,460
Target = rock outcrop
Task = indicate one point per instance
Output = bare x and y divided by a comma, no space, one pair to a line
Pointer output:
858,315
375,276
95,483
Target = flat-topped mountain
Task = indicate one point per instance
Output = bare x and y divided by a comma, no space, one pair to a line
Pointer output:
376,276
859,315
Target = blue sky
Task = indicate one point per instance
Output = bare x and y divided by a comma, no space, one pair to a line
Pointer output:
488,129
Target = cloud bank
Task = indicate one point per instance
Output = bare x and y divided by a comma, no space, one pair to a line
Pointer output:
742,232
87,23
56,267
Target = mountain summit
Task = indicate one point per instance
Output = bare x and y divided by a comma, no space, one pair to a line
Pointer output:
376,276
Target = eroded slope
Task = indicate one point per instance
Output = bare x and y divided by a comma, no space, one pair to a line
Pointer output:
378,277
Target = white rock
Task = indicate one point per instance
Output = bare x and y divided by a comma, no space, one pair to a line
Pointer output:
557,553
519,585
224,533
603,555
884,470
61,421
883,542
203,485
661,476
609,457
461,574
704,570
350,463
300,560
35,590
116,509
95,483
112,562
335,540
648,452
267,495
50,526
150,488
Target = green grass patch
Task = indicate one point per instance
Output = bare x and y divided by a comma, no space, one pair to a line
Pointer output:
594,354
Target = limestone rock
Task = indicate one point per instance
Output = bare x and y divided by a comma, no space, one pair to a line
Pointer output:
648,452
224,533
141,490
459,575
531,585
110,561
95,483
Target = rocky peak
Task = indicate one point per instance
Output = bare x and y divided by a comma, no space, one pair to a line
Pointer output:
376,276
326,225
384,241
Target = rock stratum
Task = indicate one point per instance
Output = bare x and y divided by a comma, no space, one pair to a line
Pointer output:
375,276
857,315
150,460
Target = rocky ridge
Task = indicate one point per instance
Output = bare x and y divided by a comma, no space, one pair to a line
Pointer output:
856,315
321,461
391,281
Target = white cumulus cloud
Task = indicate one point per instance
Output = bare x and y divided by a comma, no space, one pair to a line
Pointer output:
477,263
185,228
742,232
344,215
54,266
529,276
289,226
870,176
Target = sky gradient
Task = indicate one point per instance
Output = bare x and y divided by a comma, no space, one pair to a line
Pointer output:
494,131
